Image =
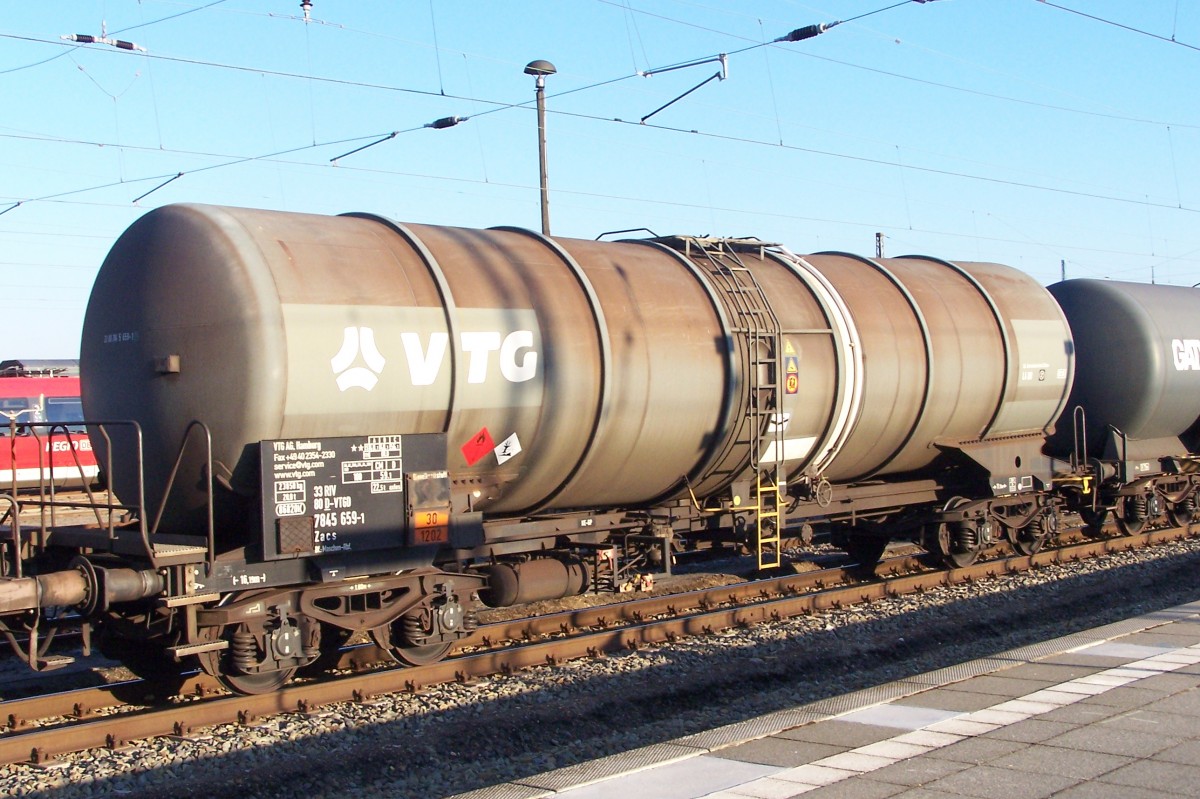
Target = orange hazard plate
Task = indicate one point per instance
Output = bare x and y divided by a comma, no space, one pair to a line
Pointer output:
431,526
431,535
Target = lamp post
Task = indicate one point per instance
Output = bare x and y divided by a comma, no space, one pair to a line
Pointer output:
540,69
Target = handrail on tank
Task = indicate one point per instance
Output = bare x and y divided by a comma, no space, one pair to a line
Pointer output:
1079,428
1079,453
627,230
12,444
46,496
54,430
13,515
47,499
31,428
208,491
92,501
102,429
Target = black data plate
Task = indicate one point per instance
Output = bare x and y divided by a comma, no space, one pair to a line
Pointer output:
339,494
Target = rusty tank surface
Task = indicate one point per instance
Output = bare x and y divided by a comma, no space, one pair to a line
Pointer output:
566,373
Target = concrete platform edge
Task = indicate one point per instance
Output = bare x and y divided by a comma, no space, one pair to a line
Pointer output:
549,783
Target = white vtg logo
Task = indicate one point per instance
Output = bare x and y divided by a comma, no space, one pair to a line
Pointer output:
1187,354
357,340
516,357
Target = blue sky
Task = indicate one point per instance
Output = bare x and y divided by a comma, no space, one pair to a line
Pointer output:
1016,131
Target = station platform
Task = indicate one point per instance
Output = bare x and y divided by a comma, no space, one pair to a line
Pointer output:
1110,713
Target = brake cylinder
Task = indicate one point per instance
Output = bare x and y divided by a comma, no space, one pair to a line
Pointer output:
519,582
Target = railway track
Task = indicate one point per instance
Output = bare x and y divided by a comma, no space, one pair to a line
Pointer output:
41,728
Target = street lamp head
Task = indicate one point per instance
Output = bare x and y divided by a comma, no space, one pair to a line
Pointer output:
540,68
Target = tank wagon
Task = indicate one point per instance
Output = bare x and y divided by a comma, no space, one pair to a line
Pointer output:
323,425
1136,421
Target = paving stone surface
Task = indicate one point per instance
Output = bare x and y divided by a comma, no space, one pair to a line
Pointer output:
1111,719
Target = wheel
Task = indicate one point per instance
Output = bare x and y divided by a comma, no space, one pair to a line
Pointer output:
408,638
1025,540
1028,540
333,638
1132,514
1094,520
222,664
402,640
263,682
959,544
441,616
1185,512
420,655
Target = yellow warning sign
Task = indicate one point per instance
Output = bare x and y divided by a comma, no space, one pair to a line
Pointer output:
788,349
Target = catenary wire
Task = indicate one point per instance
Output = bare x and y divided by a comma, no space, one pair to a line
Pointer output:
502,106
1130,28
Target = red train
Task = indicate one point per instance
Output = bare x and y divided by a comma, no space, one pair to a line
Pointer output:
40,415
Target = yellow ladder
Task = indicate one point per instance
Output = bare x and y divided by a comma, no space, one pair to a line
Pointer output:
770,519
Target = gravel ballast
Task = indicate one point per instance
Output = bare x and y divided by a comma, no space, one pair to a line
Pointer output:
455,738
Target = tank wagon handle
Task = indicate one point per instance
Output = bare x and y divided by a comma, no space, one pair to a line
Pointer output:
205,435
83,586
653,235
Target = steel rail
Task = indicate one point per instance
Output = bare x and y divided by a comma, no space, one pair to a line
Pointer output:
549,639
79,703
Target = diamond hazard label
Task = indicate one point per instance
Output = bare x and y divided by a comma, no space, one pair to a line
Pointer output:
508,448
480,445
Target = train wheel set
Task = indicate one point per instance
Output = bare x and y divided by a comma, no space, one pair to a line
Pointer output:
380,429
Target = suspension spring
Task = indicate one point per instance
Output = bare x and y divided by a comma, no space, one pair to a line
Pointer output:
966,536
243,651
416,633
1140,507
